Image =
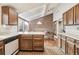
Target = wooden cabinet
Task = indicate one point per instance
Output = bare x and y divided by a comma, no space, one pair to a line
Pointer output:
70,46
9,16
12,17
64,19
70,16
63,43
77,47
25,42
32,42
38,42
76,14
2,48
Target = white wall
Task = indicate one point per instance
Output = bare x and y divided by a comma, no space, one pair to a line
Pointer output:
61,8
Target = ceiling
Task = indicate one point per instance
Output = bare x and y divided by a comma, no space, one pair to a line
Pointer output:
31,11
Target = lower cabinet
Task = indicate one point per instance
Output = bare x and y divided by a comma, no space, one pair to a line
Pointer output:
63,43
2,48
25,44
38,42
77,48
68,45
31,42
70,48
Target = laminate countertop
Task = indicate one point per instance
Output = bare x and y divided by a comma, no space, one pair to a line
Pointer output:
4,37
74,36
33,33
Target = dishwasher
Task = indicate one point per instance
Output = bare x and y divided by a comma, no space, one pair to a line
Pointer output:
11,48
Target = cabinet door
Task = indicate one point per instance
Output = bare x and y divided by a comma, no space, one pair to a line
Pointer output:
25,44
70,48
1,50
12,17
76,14
38,42
77,48
5,13
70,17
64,19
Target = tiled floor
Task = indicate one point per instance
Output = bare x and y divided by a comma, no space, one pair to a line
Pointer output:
50,47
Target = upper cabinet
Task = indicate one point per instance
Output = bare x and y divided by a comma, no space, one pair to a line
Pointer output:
9,16
71,17
76,14
64,19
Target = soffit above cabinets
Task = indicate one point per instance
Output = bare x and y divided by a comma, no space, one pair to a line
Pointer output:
31,11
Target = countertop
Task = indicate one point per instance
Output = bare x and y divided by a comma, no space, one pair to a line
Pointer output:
74,36
32,33
2,37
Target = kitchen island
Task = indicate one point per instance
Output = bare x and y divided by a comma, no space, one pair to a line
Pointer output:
31,41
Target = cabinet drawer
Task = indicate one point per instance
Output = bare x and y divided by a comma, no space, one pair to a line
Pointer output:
38,36
26,36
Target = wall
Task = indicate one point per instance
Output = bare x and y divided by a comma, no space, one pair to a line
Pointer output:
72,29
60,9
45,26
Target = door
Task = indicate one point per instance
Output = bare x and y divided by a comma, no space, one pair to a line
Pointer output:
76,14
70,17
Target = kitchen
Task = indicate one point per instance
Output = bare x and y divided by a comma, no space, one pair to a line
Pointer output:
40,29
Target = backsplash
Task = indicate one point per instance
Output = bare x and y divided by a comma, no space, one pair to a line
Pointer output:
8,29
74,29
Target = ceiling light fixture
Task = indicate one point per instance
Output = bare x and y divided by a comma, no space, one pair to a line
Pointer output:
39,23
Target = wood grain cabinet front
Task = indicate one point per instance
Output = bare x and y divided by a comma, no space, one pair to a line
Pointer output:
70,46
9,16
64,19
70,16
77,47
38,42
32,42
76,14
2,48
25,42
